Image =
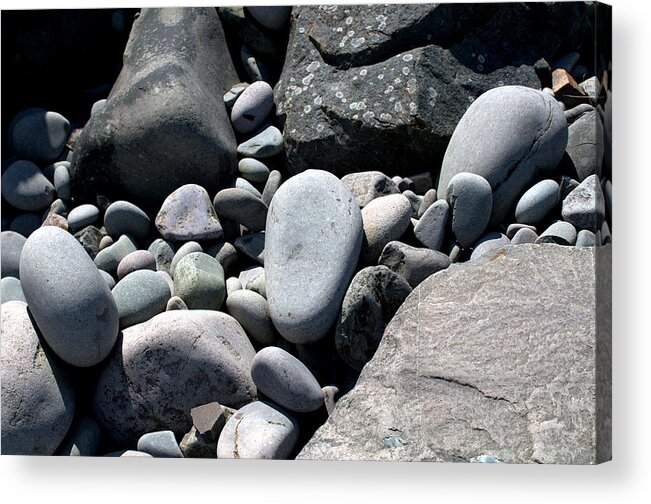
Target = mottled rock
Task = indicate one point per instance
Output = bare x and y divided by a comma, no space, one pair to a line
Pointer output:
429,198
187,214
139,296
55,220
384,219
25,187
372,299
538,202
585,238
90,238
11,246
185,249
585,206
82,216
232,94
251,310
430,230
163,251
199,281
312,244
442,390
242,207
160,444
412,263
68,298
470,198
560,232
367,186
37,397
122,217
192,356
109,258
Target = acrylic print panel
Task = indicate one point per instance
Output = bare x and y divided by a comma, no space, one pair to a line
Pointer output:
347,232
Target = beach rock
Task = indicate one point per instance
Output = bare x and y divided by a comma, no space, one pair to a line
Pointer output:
160,444
585,238
122,217
372,299
560,232
193,445
176,69
232,284
175,303
139,296
313,240
429,198
90,238
55,220
185,249
585,206
187,214
272,185
82,216
25,187
39,135
38,401
414,200
286,380
412,263
60,207
163,251
538,202
209,419
529,142
430,230
11,290
241,183
68,298
251,310
108,259
233,93
252,107
524,235
26,223
515,227
367,186
253,170
199,281
11,247
266,143
259,430
441,390
489,243
225,253
242,207
192,356
470,198
83,440
62,181
138,260
384,219
585,144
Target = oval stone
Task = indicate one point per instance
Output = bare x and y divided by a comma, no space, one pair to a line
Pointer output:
37,397
11,290
286,380
242,207
164,367
11,247
68,297
138,260
39,135
252,107
82,216
185,249
384,219
509,136
260,430
313,240
537,202
108,259
25,187
268,142
122,217
251,310
187,214
199,281
139,296
253,170
471,200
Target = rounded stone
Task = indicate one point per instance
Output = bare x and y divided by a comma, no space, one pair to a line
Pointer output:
25,187
139,296
108,259
232,284
515,227
430,229
225,253
368,185
560,232
233,93
412,263
524,235
185,249
259,430
62,181
272,185
470,198
251,310
384,219
11,247
39,135
429,198
97,106
11,290
138,260
241,183
187,214
286,380
199,282
164,367
82,216
163,252
105,242
90,237
175,303
536,204
68,297
252,107
509,135
268,142
372,299
160,444
253,170
271,17
252,245
585,238
26,223
37,397
122,217
313,240
489,243
242,207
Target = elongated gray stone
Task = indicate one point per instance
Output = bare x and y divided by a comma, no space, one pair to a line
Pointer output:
160,444
139,296
192,356
242,183
163,251
538,202
187,214
138,260
39,135
68,298
585,144
489,243
185,249
252,107
62,181
430,230
251,310
312,244
253,170
11,290
471,200
38,401
509,135
272,185
429,198
82,216
560,232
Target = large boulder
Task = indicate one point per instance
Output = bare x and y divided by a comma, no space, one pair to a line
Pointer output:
402,76
496,358
164,123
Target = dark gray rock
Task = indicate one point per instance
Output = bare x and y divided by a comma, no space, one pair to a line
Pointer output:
185,249
367,186
539,200
251,310
199,281
11,246
585,206
82,216
254,67
176,70
26,223
252,245
225,253
163,251
259,430
384,219
39,135
38,401
192,356
160,444
109,258
90,238
412,263
59,207
253,170
567,185
83,440
138,260
372,299
585,144
489,243
286,380
271,17
439,389
529,141
187,214
242,207
430,230
68,298
272,185
193,445
312,244
470,198
139,296
266,143
122,217
11,290
252,107
560,232
25,187
524,235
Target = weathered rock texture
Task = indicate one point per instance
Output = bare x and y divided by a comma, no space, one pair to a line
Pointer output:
496,357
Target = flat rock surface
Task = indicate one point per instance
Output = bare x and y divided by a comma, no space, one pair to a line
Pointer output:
511,374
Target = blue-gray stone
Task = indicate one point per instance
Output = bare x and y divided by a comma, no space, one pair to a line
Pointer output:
515,227
11,246
25,187
26,223
253,170
11,290
62,180
585,144
429,198
538,202
68,297
110,281
82,216
252,245
199,281
160,444
470,198
268,142
241,183
430,230
163,252
109,258
251,310
39,135
233,93
384,219
139,296
272,185
585,238
524,235
412,263
138,260
122,217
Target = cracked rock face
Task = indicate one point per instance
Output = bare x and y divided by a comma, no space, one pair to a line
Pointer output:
510,376
401,77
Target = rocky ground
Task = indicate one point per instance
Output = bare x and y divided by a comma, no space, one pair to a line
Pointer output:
341,232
